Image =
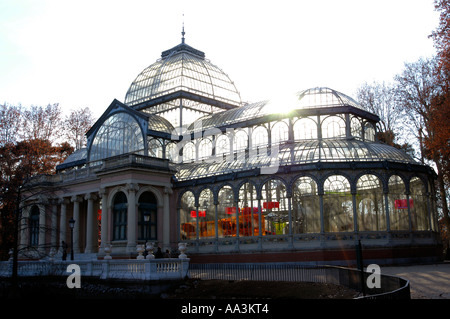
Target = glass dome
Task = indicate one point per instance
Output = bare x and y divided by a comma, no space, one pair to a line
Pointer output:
319,97
182,68
325,97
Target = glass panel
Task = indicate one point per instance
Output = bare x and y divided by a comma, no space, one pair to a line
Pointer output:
370,204
222,145
305,207
240,140
155,148
279,132
369,132
418,204
275,208
337,204
226,213
206,214
189,152
260,137
398,206
188,214
333,126
305,129
356,127
204,149
248,211
119,134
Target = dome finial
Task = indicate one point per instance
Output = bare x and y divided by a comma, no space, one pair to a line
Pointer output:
182,32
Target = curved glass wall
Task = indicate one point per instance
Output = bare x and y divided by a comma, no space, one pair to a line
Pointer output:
337,205
119,134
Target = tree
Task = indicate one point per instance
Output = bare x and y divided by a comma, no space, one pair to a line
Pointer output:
379,98
425,104
41,123
77,124
18,163
438,145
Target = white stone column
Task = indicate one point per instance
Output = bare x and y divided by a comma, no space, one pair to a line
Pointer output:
91,222
63,222
41,243
131,217
24,229
104,233
54,229
76,216
166,218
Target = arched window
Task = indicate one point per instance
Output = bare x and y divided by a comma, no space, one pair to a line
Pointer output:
119,134
305,129
204,148
120,208
172,152
370,204
260,137
275,208
226,210
155,148
206,214
189,152
305,207
418,204
369,132
333,126
188,212
279,132
34,225
222,145
240,140
337,204
356,127
398,206
147,223
248,211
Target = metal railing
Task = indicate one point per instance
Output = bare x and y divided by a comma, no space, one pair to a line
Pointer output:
129,269
391,287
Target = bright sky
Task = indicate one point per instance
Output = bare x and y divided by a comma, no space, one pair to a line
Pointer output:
86,53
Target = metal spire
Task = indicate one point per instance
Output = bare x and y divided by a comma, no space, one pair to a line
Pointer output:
182,32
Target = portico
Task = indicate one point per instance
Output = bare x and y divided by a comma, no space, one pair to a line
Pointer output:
91,200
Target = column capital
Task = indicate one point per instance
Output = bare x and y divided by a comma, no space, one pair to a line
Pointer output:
90,196
132,187
63,200
76,198
102,191
168,190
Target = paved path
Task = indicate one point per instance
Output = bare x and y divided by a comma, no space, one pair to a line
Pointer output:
426,281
